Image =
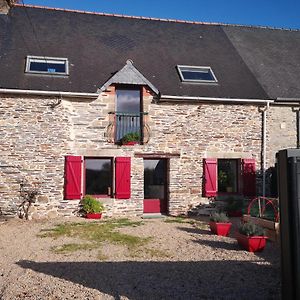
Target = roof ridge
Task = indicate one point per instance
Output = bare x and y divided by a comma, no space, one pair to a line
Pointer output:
151,18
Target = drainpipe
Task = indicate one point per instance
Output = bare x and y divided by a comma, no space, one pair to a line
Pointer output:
264,147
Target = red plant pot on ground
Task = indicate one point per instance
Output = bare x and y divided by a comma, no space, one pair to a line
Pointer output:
220,228
130,143
251,243
93,215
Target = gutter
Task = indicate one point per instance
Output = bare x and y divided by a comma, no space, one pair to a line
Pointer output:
288,99
49,93
164,98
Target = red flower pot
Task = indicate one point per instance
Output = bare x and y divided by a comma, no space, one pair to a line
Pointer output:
220,228
93,215
131,143
251,243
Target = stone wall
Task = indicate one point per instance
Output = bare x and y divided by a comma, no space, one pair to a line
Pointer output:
35,138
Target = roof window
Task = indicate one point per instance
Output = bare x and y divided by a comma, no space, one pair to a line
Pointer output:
196,74
47,65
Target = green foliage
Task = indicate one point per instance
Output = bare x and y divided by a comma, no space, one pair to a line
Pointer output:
219,218
251,229
91,205
95,234
131,137
234,204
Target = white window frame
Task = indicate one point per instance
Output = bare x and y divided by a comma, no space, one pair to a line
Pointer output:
203,69
44,59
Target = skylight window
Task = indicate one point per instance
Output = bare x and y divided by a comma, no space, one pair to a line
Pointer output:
47,65
196,74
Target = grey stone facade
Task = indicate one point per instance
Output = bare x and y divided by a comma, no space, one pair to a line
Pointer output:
35,137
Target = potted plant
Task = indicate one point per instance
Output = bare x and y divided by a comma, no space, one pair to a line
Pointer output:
92,207
251,237
131,138
234,207
219,224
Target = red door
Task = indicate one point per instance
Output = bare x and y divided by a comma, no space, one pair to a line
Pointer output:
155,186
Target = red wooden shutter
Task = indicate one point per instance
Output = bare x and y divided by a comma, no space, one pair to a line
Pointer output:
123,167
249,177
210,177
73,174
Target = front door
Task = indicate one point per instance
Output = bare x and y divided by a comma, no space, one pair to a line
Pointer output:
155,186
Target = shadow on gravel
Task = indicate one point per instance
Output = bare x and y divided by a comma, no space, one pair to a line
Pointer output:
169,280
218,244
194,230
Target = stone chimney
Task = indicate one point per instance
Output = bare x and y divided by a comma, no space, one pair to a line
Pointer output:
5,5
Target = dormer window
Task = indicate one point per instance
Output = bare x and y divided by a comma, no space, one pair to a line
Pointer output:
47,65
196,74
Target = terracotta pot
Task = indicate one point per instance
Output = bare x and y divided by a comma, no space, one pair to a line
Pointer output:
93,215
251,243
131,143
220,228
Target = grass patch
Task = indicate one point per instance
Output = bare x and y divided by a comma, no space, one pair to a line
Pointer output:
67,248
95,233
178,220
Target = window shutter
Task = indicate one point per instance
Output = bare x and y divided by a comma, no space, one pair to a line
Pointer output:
73,174
249,177
210,177
123,168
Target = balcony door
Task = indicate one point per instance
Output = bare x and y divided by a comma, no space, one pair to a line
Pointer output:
128,112
155,186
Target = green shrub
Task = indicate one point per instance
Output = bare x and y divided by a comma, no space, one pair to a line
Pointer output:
234,204
219,218
91,205
251,229
131,137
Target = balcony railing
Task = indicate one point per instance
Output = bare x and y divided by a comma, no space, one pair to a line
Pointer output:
122,124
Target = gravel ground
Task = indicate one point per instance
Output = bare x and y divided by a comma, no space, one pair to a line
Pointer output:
186,262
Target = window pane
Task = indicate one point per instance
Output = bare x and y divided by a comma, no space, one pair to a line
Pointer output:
154,179
227,175
128,101
191,75
47,67
98,176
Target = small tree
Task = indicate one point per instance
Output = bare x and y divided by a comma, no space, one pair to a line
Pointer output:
28,194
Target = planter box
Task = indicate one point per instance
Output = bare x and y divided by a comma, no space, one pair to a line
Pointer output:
131,143
251,243
272,228
94,216
220,228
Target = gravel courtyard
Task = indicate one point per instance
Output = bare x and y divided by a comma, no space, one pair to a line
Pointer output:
181,260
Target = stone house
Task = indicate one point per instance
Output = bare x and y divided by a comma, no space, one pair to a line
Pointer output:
148,115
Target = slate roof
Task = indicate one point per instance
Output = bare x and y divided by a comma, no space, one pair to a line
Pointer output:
245,60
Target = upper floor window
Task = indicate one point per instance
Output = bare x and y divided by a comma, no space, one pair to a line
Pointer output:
47,65
129,116
196,74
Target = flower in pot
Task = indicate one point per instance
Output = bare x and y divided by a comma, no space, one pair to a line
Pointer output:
131,138
219,224
251,237
92,207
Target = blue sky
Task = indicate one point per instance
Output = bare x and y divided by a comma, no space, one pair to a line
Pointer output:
274,13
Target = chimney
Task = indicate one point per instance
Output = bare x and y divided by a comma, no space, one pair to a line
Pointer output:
5,6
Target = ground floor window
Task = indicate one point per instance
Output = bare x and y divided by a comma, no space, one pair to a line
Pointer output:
228,175
98,176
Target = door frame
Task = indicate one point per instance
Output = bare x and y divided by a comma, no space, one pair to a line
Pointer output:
166,185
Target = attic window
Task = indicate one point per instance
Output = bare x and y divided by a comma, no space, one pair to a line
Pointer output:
196,74
47,65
